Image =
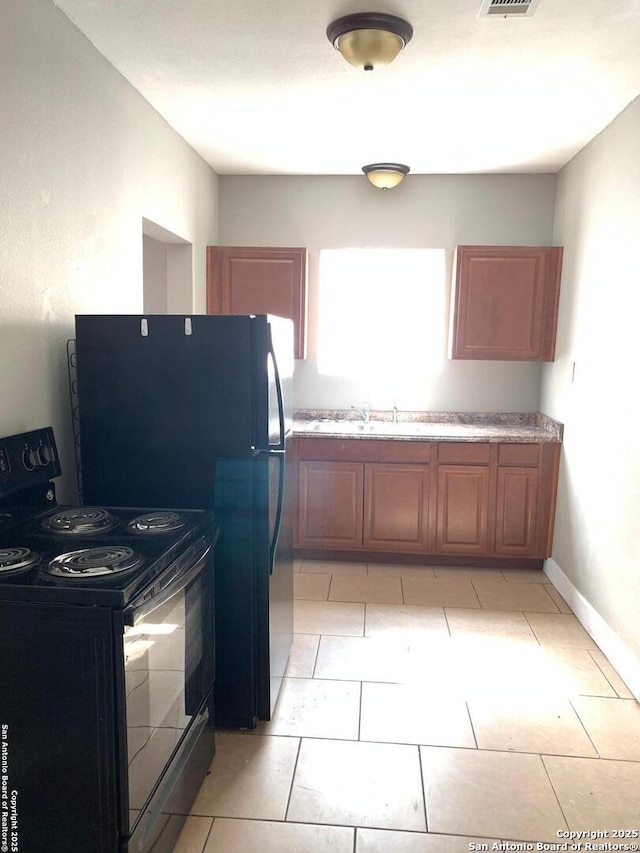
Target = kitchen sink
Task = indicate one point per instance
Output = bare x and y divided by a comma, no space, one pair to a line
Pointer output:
388,428
342,426
366,427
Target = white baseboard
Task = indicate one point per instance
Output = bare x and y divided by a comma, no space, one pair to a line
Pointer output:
621,657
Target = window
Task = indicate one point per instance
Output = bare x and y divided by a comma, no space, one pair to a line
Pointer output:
382,318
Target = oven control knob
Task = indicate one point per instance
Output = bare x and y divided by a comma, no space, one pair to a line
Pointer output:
29,459
45,454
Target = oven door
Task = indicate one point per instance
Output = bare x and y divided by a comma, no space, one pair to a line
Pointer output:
168,674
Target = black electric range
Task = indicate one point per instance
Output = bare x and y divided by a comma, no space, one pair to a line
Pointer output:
107,648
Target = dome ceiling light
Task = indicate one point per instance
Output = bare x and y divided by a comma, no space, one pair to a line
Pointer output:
370,39
385,175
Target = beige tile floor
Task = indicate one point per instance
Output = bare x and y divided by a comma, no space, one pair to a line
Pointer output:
425,710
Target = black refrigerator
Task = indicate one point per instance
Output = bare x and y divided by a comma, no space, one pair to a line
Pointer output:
195,412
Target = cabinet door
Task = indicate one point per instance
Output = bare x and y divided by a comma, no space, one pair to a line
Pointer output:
330,505
505,302
259,281
516,503
462,518
396,501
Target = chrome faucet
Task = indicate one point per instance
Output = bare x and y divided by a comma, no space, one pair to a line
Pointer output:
363,411
394,415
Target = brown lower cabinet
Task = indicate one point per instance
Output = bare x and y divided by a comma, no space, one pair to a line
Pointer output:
516,512
454,499
396,507
462,525
330,500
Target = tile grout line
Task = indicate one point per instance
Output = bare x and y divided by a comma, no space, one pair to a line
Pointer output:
424,791
555,793
606,678
315,659
531,628
471,749
293,776
446,619
586,731
475,592
328,589
473,731
206,841
546,592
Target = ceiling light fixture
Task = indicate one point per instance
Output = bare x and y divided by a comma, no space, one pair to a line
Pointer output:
369,39
385,175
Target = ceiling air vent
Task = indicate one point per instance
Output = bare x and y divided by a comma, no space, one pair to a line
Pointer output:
507,8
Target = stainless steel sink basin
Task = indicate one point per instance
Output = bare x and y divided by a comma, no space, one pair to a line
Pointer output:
342,426
367,427
388,428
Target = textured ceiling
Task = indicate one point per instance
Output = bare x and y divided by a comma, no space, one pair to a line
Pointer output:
256,88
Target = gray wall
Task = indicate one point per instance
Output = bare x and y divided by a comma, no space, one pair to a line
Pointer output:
437,211
597,535
84,160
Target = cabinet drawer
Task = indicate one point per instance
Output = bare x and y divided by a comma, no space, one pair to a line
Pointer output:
463,453
518,454
364,450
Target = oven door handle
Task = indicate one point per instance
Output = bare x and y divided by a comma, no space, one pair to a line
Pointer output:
135,612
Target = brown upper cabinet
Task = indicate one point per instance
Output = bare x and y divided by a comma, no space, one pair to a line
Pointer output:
505,302
249,280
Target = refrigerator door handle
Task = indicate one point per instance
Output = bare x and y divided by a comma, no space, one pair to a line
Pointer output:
278,518
280,398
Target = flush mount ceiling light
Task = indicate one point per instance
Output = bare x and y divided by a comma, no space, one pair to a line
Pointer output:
385,175
369,39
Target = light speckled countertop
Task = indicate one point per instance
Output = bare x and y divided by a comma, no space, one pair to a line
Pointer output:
517,427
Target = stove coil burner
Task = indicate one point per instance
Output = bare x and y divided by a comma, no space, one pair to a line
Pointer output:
91,563
80,521
157,522
16,560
